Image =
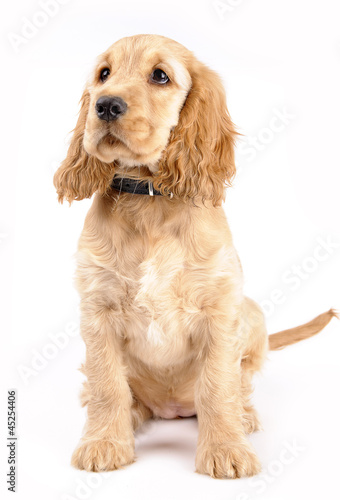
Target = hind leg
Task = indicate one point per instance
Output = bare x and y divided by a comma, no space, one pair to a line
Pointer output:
250,419
140,413
253,330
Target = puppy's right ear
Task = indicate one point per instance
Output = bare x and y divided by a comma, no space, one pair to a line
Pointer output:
81,174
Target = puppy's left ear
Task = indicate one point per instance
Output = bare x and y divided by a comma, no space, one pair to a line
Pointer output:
198,162
81,174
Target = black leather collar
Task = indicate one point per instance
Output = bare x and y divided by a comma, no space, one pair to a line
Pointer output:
134,186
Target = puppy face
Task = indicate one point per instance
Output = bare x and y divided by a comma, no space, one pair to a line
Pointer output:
151,103
137,91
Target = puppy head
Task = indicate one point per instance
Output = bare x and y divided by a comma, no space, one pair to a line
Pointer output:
150,103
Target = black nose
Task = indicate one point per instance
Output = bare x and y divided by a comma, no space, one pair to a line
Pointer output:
110,108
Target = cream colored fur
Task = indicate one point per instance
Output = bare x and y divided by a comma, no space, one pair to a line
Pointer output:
167,328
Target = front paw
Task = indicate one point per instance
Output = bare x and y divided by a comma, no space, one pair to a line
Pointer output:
227,460
102,455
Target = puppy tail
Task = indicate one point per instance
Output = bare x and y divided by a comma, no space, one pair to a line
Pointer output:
287,337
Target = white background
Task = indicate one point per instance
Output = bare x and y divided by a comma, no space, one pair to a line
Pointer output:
272,56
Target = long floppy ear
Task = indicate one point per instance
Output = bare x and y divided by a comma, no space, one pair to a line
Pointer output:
198,162
81,174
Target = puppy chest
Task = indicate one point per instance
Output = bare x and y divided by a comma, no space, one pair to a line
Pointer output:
166,305
162,314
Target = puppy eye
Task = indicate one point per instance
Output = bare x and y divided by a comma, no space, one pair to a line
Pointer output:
104,74
158,76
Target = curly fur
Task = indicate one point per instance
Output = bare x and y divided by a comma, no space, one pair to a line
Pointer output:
199,160
81,175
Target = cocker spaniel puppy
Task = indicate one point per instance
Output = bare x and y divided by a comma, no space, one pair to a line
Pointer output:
167,328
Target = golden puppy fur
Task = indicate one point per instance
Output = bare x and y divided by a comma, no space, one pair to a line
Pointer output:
167,328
